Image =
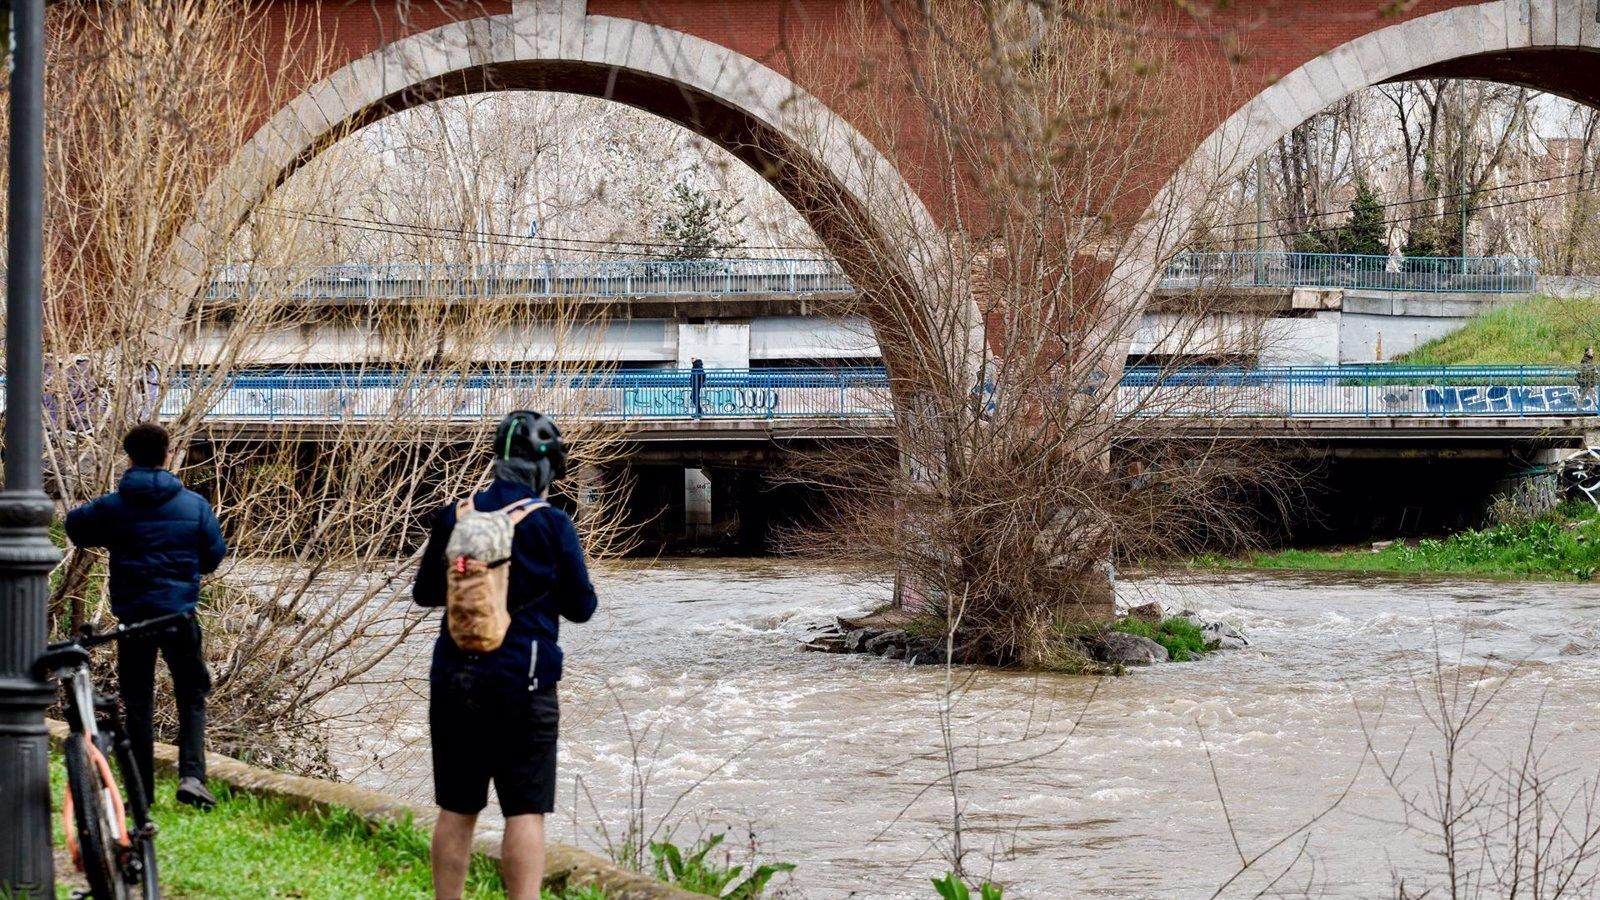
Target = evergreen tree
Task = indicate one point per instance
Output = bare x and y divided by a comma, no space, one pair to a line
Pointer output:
697,225
1423,242
1366,233
1310,242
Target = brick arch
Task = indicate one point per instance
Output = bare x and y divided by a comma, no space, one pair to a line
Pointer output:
1549,45
747,108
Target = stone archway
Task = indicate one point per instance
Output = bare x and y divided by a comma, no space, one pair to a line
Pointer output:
1551,46
814,158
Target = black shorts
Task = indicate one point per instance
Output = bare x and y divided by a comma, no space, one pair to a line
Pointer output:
510,740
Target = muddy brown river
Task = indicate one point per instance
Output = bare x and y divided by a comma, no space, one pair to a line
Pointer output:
690,679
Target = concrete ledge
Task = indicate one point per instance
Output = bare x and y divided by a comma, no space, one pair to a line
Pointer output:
1426,305
1556,430
565,865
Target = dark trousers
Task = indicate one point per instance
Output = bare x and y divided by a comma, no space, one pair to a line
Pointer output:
191,682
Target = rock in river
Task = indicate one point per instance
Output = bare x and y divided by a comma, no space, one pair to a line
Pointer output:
1129,649
883,643
1149,612
1223,636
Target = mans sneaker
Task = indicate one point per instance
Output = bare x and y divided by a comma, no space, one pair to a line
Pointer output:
193,792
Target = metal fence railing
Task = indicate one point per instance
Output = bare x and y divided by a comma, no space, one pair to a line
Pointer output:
556,278
844,393
1430,274
857,394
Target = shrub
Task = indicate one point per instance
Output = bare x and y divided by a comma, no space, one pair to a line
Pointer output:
951,887
694,870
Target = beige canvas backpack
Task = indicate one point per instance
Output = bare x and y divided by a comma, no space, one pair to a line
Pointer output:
479,554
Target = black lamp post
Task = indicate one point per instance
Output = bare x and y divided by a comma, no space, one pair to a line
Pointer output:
26,554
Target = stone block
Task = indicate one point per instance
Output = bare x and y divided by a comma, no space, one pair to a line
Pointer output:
1324,82
1541,24
1375,64
1569,22
595,42
1295,98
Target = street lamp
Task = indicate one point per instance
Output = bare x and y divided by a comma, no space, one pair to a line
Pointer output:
26,554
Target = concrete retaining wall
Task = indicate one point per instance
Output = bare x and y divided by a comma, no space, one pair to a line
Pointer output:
565,865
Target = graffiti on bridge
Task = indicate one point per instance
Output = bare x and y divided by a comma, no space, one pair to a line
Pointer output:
714,401
1505,398
357,403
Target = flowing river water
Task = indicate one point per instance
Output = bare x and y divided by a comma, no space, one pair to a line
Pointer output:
691,678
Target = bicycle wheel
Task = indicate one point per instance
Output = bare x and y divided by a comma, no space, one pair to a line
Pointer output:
89,820
141,868
148,877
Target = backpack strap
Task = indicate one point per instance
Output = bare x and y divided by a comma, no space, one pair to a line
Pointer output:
521,509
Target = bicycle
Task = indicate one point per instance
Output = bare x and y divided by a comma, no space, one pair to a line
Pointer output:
113,857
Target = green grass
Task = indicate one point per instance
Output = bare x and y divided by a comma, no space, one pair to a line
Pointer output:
1181,637
1561,546
253,847
1544,331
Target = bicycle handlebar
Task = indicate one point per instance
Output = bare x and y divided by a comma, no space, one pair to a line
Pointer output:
89,638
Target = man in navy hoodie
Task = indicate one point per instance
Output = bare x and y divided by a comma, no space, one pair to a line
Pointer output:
161,539
494,716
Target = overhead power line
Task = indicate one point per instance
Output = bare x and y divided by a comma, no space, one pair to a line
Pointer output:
1515,201
609,247
1399,203
420,231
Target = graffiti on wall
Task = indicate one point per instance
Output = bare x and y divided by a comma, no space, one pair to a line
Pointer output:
1446,401
714,401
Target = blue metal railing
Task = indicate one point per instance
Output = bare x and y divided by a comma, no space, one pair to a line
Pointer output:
1430,274
554,278
847,393
1321,392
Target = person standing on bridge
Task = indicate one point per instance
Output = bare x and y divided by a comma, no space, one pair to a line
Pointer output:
493,712
697,384
1587,378
162,539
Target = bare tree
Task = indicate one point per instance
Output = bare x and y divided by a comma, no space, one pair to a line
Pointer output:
1024,466
325,489
519,177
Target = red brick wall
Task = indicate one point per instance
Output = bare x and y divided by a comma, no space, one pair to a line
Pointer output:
1225,57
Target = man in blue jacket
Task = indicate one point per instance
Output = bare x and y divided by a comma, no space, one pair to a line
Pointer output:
161,539
494,716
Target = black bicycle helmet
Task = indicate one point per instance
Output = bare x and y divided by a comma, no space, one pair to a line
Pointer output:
531,436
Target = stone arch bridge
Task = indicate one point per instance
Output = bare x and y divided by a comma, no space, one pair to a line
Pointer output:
727,69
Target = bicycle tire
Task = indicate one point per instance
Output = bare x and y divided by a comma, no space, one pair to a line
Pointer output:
97,850
139,814
150,880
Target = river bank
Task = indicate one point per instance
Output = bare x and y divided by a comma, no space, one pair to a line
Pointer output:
1563,545
281,835
250,847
